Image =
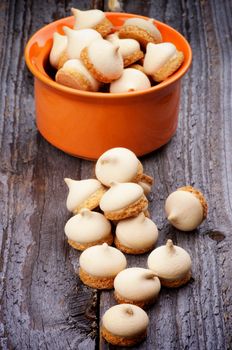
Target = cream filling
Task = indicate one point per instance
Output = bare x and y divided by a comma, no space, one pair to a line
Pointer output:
127,47
87,227
120,196
169,261
184,210
130,80
125,320
58,47
87,19
79,39
158,55
106,58
147,25
137,233
102,261
80,191
137,284
117,164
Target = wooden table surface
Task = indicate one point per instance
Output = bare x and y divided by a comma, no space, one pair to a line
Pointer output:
43,303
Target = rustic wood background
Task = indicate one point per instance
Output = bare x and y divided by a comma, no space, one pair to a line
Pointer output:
43,303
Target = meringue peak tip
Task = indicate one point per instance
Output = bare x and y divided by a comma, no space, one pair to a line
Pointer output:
107,160
66,29
67,180
85,211
75,11
172,217
105,245
114,183
149,275
116,48
129,311
141,217
169,244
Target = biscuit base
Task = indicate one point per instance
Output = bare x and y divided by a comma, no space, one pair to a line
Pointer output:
144,304
128,60
104,28
146,179
177,283
138,174
138,67
73,79
63,58
109,240
199,196
128,250
169,68
132,210
141,177
139,34
95,73
92,202
147,214
122,341
97,282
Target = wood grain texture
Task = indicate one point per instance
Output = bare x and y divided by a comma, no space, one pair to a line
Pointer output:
43,303
197,316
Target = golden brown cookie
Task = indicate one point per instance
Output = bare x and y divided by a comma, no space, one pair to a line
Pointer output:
199,195
99,265
169,68
83,194
103,60
124,325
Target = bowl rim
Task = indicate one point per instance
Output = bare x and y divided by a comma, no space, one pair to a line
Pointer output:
48,81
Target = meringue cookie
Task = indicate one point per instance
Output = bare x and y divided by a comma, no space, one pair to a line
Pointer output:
83,194
172,264
186,208
103,60
74,74
124,325
144,31
77,40
120,164
129,48
162,60
100,264
137,286
130,80
136,235
95,19
88,228
58,48
117,164
123,200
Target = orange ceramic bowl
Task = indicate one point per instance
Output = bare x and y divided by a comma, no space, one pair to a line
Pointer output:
85,124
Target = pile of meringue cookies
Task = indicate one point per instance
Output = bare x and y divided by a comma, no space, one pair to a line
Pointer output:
121,217
96,56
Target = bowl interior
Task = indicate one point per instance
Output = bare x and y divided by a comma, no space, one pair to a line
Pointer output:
39,46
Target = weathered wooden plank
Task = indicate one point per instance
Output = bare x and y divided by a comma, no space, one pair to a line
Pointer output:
197,316
43,303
